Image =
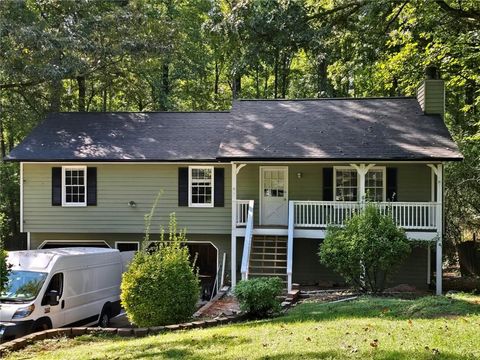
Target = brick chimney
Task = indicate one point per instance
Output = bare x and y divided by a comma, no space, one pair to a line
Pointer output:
431,93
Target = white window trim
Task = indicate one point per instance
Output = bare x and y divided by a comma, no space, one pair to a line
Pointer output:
384,171
196,205
64,194
128,242
335,168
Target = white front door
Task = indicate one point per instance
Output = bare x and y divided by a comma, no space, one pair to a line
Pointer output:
274,195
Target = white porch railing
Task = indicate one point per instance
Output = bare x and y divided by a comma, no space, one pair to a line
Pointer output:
242,212
247,244
408,215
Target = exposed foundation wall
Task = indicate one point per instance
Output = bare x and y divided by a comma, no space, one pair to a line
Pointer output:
307,269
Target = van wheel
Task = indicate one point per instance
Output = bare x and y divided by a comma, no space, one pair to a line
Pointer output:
42,325
104,319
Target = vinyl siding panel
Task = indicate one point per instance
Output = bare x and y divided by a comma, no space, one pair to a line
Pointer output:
431,96
117,184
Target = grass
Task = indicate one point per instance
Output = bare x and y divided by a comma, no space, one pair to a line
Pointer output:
373,328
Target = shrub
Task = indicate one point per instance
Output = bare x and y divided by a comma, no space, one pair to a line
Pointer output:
161,287
366,250
4,268
258,297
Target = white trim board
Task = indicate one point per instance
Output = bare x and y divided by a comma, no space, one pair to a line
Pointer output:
320,233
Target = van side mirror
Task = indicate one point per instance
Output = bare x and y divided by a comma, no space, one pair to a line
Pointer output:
52,297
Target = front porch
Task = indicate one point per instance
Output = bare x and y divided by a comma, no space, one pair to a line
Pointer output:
301,200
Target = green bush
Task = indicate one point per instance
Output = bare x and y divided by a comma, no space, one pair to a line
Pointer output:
161,287
366,250
4,268
258,296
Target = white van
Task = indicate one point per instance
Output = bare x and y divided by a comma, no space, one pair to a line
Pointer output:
63,287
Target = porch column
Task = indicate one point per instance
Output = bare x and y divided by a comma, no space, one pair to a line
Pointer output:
233,260
439,228
438,171
362,170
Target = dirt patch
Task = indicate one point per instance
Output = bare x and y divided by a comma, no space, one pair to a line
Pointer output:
225,306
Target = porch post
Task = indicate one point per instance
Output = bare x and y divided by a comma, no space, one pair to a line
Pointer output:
233,260
362,170
439,228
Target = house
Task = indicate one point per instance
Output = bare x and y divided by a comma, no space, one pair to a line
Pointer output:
259,183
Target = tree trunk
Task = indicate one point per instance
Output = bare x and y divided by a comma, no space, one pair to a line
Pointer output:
322,81
81,93
56,89
104,99
217,77
165,87
285,68
237,86
2,137
275,74
257,82
265,85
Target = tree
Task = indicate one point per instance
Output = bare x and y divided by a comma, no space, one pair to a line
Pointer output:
4,268
365,251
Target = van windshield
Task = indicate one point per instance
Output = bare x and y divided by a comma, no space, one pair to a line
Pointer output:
23,285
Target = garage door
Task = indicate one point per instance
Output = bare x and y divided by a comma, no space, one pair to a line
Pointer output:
70,244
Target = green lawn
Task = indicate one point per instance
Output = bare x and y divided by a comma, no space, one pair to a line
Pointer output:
426,328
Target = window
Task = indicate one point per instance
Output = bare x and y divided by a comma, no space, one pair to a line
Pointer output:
375,184
74,184
56,284
200,186
127,245
346,188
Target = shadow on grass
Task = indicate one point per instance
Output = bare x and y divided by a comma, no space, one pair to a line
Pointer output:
428,307
376,354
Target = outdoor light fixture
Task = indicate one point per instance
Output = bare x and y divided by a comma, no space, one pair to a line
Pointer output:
299,175
132,204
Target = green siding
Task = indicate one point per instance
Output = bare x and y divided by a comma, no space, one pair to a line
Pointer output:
120,183
116,186
413,182
431,96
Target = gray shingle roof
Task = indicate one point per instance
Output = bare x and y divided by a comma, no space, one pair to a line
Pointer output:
165,136
324,129
385,128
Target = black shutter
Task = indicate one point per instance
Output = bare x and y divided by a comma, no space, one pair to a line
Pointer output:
219,182
182,186
327,184
392,194
91,186
56,186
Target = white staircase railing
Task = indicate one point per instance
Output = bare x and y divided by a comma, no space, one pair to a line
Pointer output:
291,225
247,245
242,212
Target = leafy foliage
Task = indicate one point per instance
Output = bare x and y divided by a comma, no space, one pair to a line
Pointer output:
189,55
161,287
258,296
365,251
4,268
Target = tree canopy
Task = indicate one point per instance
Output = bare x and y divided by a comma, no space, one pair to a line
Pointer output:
147,55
